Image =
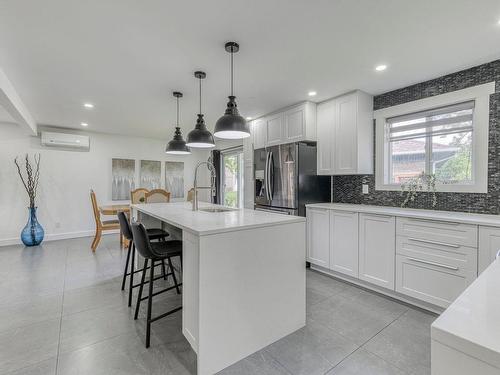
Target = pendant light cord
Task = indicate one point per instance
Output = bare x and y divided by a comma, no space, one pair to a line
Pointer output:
200,97
232,72
177,111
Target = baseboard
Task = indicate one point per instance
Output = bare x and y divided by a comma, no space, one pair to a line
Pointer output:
57,236
389,293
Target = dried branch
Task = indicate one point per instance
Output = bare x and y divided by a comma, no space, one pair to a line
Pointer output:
32,177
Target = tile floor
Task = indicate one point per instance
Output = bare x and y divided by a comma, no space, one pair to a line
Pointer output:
62,312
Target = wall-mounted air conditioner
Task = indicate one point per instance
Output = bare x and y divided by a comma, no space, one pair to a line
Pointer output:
65,141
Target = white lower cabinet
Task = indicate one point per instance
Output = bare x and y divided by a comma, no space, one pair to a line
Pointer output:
377,237
318,237
489,246
344,242
433,272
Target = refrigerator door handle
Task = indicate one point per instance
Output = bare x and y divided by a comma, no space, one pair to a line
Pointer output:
271,176
266,176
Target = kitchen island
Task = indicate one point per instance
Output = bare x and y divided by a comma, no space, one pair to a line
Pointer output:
466,337
243,278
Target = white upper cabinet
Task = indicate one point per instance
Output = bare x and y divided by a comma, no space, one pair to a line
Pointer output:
259,133
293,124
274,125
345,135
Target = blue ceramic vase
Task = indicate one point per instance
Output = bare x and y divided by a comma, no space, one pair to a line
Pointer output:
32,234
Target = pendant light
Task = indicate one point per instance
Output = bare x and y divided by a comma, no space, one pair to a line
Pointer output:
200,137
232,125
177,146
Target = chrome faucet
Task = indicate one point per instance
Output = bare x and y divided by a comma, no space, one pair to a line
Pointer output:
213,175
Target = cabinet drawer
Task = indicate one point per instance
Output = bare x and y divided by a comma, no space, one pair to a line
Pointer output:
447,255
437,231
431,283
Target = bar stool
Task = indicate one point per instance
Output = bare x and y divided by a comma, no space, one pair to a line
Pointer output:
154,234
154,252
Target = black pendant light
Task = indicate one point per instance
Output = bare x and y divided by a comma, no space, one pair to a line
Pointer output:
232,125
177,146
200,137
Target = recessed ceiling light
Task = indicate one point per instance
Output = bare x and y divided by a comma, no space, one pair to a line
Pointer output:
84,124
249,118
499,22
380,68
312,93
77,141
88,105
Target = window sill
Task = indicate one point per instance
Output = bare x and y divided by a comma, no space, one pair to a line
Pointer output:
477,188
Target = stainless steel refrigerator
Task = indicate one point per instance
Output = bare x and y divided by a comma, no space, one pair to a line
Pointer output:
286,180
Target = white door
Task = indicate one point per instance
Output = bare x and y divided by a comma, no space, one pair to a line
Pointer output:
318,235
344,242
345,135
377,249
489,246
324,123
274,129
295,124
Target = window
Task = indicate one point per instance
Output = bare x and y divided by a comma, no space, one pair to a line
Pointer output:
445,136
436,142
232,178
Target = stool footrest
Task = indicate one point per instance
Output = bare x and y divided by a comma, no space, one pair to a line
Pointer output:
156,278
160,291
165,314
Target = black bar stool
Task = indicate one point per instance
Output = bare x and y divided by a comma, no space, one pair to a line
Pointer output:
154,252
154,234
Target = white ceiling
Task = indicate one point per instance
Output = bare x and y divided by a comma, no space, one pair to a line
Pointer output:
127,56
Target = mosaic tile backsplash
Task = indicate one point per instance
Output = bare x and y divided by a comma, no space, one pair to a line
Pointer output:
348,189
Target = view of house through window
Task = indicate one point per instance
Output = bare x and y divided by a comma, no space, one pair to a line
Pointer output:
232,178
436,142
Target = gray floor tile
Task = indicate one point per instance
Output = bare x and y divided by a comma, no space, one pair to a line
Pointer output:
101,295
47,367
91,326
371,300
362,362
324,285
124,354
311,350
28,345
406,343
352,319
37,309
258,363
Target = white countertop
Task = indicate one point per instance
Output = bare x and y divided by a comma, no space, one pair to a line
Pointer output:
457,217
472,323
201,223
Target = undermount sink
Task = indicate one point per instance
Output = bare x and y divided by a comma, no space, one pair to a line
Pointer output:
216,209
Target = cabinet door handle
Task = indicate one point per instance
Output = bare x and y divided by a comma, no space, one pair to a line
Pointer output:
434,242
434,264
433,221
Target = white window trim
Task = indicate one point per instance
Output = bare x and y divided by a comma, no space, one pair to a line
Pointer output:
481,95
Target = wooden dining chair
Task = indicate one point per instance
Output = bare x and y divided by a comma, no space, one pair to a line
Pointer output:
100,225
158,196
138,195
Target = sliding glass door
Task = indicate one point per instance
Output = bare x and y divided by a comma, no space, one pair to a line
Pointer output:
232,178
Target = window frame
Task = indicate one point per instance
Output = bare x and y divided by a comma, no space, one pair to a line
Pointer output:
481,96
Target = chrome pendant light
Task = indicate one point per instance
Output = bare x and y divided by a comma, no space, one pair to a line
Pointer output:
232,125
177,146
200,137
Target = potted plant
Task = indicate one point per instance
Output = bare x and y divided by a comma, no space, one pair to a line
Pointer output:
33,233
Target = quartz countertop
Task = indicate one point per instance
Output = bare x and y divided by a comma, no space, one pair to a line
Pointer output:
181,215
456,217
471,324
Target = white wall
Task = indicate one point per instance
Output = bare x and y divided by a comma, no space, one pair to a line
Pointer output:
66,178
